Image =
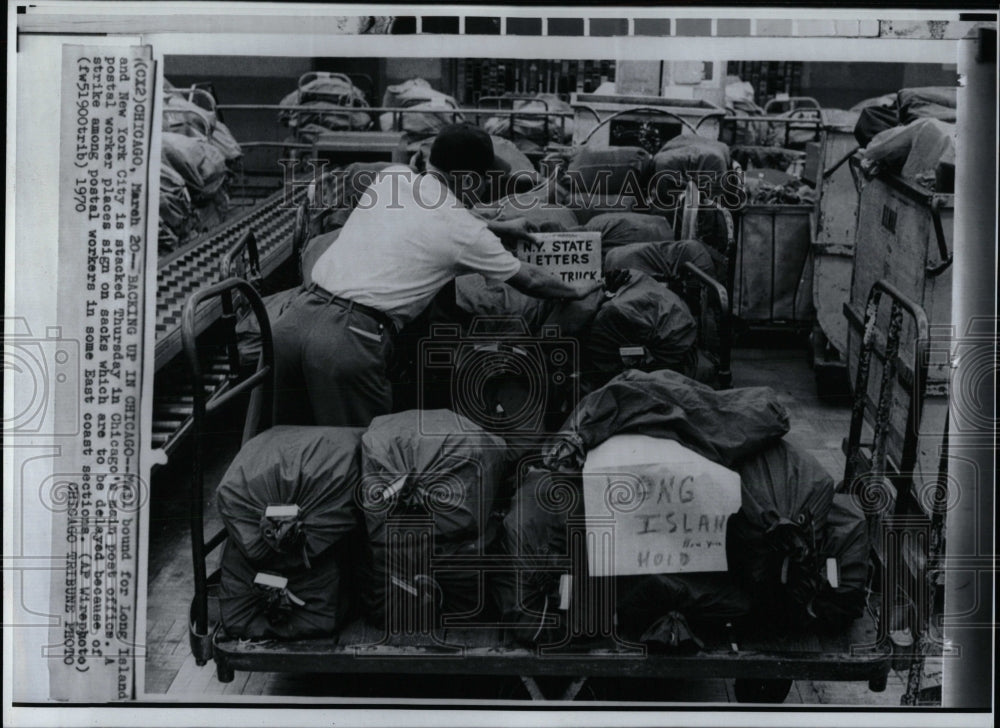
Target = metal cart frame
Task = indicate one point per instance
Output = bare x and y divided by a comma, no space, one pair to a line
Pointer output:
906,519
763,666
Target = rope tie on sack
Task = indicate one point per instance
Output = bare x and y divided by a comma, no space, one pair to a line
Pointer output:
277,600
283,530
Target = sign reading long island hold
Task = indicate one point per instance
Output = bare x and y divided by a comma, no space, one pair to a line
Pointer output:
573,256
654,506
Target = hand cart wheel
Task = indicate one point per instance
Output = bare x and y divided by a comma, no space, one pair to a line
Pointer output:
526,687
750,690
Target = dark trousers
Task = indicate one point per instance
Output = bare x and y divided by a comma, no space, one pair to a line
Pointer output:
331,364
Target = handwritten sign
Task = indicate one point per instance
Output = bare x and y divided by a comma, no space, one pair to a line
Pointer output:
573,256
655,507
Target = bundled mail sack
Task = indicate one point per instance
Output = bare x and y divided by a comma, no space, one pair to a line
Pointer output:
725,426
643,326
248,339
683,157
518,312
933,145
666,612
773,542
417,93
586,207
533,207
290,604
621,228
610,171
535,541
927,102
179,117
438,472
913,151
873,120
289,496
839,602
200,164
661,260
534,127
176,214
334,103
513,173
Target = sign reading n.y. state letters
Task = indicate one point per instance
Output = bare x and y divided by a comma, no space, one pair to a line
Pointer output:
573,256
655,507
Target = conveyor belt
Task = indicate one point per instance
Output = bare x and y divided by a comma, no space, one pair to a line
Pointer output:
184,271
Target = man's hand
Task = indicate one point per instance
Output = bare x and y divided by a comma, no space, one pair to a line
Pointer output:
517,229
582,289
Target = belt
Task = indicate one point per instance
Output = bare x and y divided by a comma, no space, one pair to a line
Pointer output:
373,313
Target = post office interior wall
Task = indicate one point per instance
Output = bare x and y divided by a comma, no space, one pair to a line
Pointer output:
841,85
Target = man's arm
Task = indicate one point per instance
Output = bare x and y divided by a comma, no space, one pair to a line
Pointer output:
510,231
534,280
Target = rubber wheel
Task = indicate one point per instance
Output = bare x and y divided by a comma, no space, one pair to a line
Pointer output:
762,691
512,688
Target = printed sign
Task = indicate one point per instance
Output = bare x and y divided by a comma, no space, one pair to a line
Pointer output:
655,507
572,256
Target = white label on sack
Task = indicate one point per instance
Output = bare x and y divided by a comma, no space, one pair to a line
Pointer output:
282,511
565,590
624,351
654,506
832,572
270,580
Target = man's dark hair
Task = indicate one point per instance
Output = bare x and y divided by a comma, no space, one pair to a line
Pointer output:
462,147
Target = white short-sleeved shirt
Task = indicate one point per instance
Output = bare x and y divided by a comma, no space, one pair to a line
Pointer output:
409,236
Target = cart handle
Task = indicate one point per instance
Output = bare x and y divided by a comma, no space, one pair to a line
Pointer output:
808,102
936,269
228,268
717,290
827,173
193,94
260,383
709,115
308,76
633,110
